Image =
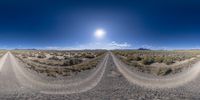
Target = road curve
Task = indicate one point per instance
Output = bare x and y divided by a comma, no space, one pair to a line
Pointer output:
144,80
30,81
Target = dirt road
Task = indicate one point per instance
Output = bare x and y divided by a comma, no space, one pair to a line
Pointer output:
108,83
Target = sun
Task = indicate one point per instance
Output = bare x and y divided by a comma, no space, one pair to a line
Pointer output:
100,33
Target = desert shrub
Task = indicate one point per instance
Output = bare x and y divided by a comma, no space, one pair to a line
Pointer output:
24,57
147,60
168,60
51,74
66,57
99,54
74,61
66,63
65,74
53,58
177,58
36,60
159,59
129,58
31,66
137,58
163,71
58,71
77,56
83,55
134,58
90,56
41,56
84,66
40,70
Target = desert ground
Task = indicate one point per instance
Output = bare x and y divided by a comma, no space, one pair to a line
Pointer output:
99,75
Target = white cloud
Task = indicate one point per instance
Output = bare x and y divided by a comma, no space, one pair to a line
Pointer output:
120,45
95,45
61,48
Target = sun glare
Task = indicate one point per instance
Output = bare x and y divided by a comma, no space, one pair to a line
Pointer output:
100,33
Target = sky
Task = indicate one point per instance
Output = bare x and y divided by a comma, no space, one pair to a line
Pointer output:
127,24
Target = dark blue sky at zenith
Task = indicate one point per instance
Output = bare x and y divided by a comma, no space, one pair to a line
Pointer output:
157,24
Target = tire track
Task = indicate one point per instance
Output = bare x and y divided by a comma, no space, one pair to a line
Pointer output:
2,61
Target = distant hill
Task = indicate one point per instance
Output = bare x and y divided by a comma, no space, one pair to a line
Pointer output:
143,49
24,49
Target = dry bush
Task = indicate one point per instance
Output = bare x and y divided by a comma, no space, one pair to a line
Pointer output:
147,60
53,58
41,56
75,61
163,71
134,58
168,60
159,59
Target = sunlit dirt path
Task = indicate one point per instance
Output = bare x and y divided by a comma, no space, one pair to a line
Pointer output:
8,80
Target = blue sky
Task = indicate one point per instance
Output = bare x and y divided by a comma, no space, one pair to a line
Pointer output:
70,24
